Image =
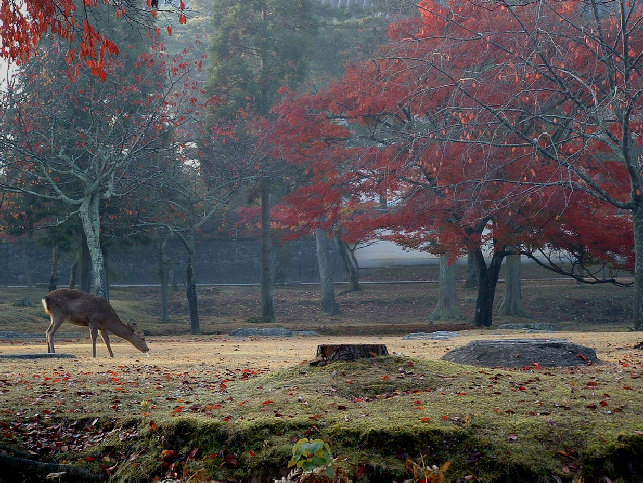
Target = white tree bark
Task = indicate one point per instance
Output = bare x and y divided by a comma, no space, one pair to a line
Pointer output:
512,303
90,218
447,307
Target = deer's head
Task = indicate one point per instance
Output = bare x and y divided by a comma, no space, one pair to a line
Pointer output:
139,338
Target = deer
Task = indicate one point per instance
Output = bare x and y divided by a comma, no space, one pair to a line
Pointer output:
87,310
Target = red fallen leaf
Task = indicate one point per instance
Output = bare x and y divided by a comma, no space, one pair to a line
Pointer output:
268,402
167,454
604,403
418,402
462,394
316,417
359,399
89,459
178,409
567,454
386,378
628,388
252,453
169,30
426,419
348,381
522,388
582,356
153,426
230,461
192,454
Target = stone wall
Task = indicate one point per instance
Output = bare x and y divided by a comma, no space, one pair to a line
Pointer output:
218,261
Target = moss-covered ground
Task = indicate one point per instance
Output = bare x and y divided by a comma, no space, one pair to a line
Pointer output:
205,414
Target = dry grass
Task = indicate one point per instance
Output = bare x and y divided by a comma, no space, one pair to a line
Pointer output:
228,396
273,353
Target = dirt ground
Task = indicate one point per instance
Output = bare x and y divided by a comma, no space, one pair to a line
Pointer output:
272,353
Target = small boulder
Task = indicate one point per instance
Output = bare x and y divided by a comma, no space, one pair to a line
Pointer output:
270,332
437,335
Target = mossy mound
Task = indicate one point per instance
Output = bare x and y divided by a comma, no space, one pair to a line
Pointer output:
377,413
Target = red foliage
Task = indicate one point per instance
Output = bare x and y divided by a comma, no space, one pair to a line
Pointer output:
23,24
479,129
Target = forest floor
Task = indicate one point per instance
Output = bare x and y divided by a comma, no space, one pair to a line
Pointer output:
399,307
215,407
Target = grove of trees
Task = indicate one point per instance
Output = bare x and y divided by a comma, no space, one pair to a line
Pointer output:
464,128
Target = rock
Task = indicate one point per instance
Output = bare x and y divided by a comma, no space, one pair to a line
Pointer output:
437,335
530,327
23,303
38,356
270,332
12,334
523,352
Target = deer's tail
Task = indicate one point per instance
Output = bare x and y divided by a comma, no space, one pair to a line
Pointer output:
44,304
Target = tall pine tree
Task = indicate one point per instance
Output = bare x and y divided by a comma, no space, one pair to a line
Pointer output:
257,47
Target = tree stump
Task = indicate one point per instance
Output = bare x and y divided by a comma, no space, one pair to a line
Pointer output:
347,352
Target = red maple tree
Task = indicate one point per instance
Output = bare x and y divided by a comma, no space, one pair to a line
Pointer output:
486,134
23,25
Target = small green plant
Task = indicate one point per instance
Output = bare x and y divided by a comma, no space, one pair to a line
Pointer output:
312,456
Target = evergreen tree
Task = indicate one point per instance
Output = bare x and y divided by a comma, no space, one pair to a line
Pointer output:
258,46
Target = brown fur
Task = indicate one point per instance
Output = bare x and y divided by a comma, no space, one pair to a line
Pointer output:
87,310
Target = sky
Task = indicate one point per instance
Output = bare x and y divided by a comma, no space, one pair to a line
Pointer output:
5,70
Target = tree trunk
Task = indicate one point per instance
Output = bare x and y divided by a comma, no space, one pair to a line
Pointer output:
512,302
163,277
85,266
347,352
174,273
26,270
190,286
106,263
329,304
90,217
487,280
638,266
73,275
53,278
267,257
447,307
471,280
350,264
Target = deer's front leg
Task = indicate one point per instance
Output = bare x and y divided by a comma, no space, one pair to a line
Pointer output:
93,334
105,337
51,330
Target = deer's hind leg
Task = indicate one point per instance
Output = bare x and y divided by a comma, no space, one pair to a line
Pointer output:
105,337
56,321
